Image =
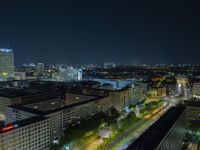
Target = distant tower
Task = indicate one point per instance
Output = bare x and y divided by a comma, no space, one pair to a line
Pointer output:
6,64
80,72
40,68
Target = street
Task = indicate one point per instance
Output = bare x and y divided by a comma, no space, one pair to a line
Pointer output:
126,138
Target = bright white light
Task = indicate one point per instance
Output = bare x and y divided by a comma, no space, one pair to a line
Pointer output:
127,109
67,147
56,141
5,50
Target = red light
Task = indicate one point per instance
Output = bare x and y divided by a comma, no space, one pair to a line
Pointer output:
7,128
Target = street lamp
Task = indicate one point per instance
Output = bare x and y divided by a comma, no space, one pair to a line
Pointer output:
67,147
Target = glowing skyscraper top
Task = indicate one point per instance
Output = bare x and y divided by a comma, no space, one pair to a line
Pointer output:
6,64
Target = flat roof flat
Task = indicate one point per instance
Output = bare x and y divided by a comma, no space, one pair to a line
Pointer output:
39,112
192,103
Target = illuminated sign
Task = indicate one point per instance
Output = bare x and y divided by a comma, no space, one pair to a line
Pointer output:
8,127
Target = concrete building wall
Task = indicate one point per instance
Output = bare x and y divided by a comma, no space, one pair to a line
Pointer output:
34,136
192,113
56,124
61,119
4,102
13,115
196,89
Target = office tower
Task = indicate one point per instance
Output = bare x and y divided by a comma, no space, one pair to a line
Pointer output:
80,72
40,68
6,64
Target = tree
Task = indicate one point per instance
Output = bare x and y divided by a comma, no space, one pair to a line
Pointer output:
114,112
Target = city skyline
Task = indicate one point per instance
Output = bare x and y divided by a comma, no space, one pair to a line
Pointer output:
91,75
92,32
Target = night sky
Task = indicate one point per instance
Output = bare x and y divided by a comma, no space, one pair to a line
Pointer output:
98,31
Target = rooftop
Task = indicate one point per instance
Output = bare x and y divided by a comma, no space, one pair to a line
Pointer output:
193,103
63,107
24,88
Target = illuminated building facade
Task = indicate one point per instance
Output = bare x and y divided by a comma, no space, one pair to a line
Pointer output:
67,74
12,97
80,72
157,92
138,92
30,134
182,80
6,64
7,101
196,90
60,113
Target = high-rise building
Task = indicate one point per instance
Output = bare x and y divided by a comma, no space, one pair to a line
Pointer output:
6,64
40,68
80,72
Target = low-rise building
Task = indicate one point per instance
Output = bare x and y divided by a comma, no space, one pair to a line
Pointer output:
60,114
61,109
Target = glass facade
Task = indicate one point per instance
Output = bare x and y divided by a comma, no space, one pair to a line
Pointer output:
6,64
